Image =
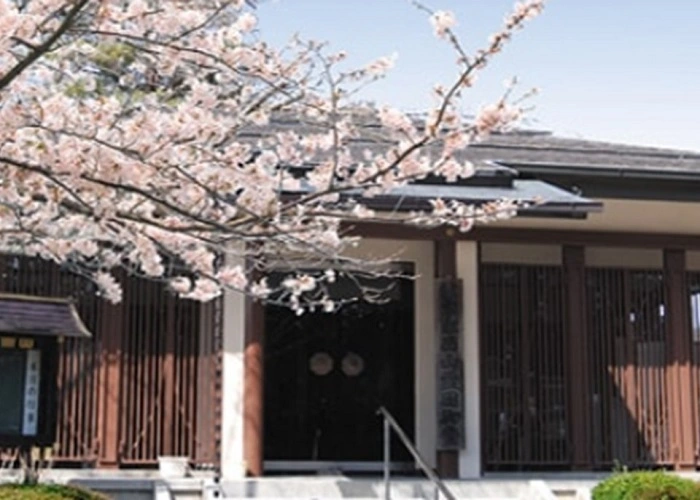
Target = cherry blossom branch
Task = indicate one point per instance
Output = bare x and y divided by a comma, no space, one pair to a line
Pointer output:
156,135
45,46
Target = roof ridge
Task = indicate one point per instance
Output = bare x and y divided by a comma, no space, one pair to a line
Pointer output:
632,151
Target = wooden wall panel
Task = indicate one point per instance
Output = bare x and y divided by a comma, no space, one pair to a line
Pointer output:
138,389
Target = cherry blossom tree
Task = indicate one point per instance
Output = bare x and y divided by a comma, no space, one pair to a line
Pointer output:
167,138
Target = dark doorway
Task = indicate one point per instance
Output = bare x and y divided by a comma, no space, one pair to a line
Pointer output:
327,374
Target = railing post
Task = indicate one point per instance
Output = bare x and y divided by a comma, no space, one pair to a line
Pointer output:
389,423
387,458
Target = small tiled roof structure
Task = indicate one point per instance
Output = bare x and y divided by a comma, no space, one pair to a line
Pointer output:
48,316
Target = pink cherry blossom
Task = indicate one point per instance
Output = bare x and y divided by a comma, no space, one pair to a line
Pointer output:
233,277
160,139
108,286
246,22
442,21
381,66
260,289
181,285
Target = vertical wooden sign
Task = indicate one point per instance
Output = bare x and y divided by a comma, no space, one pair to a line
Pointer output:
450,371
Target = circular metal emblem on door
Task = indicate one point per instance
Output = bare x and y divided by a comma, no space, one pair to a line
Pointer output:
321,364
352,365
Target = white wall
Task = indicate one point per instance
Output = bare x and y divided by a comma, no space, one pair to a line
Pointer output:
632,258
624,215
468,272
516,253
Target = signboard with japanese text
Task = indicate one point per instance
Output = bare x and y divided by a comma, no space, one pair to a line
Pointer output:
27,390
31,393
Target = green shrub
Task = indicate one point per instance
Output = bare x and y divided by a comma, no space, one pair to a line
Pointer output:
646,485
46,492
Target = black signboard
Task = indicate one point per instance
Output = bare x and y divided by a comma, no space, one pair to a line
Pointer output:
450,372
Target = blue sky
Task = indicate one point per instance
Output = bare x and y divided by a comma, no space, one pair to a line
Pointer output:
616,70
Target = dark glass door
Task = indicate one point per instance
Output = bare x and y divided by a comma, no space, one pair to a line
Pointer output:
326,375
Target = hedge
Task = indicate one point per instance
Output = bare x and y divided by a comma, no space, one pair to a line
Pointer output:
46,492
646,485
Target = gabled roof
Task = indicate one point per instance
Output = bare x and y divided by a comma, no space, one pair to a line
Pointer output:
565,168
46,316
520,148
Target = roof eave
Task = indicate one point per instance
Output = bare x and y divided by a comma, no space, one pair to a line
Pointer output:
602,171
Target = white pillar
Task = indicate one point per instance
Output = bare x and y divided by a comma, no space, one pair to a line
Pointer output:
232,466
422,254
468,272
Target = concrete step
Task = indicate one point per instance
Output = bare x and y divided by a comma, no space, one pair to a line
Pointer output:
288,488
123,485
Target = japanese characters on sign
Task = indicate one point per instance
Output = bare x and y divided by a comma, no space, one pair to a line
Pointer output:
31,393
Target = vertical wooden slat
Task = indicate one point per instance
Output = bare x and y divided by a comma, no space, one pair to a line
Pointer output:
205,389
141,346
526,389
637,342
169,387
501,405
109,392
612,395
565,446
579,401
110,396
628,371
191,338
180,366
153,421
130,366
679,358
523,383
693,300
633,393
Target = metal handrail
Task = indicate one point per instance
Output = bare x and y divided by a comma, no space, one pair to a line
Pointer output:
389,423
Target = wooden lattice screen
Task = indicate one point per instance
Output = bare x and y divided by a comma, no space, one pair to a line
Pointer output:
523,375
694,327
630,380
162,395
628,353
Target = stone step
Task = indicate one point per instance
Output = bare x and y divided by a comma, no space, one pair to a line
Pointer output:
334,487
401,489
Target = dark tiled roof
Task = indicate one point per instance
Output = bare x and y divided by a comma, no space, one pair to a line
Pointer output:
521,148
29,315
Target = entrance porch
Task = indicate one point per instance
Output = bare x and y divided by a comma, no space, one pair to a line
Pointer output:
399,344
576,356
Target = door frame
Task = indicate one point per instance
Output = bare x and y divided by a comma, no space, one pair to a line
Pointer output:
420,255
